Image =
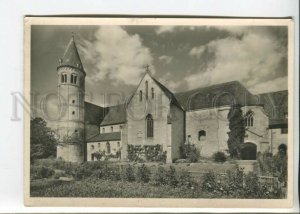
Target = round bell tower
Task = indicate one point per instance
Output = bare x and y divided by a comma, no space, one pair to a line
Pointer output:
71,89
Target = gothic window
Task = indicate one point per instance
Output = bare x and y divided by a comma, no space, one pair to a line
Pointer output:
141,95
149,126
107,148
152,93
111,129
248,119
202,135
146,89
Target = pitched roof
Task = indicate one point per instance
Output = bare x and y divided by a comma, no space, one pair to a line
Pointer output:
218,95
93,114
71,56
106,137
114,115
167,92
276,107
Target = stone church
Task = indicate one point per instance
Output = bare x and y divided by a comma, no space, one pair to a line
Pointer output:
154,115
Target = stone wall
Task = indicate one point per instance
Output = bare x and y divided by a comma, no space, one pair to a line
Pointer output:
177,131
216,125
277,138
71,152
137,111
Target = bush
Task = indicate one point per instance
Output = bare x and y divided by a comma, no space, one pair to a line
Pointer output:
185,180
160,177
190,152
128,174
38,172
143,174
219,157
149,153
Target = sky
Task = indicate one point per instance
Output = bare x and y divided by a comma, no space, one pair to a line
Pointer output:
181,57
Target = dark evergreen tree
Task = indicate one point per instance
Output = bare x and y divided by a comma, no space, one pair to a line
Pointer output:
42,140
237,131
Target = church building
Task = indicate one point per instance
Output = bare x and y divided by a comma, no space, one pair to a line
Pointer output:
155,115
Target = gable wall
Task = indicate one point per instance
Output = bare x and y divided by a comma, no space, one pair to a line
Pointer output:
138,110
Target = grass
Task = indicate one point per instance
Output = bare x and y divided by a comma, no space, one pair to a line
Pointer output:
99,188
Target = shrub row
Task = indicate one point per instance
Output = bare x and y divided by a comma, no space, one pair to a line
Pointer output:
149,153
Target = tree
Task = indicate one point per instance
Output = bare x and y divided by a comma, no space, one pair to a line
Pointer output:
42,139
237,130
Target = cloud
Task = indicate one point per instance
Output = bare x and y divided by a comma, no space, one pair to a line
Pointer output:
165,59
254,58
197,51
276,84
164,29
114,55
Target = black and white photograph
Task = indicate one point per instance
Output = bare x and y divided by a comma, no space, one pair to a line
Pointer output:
166,108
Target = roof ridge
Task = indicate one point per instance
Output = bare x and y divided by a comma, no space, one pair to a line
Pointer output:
214,85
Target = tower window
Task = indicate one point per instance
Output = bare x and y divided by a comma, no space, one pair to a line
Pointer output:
149,126
76,130
73,78
141,95
64,78
73,101
146,89
152,93
73,112
248,119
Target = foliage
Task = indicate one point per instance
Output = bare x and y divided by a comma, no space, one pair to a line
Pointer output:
237,131
128,174
190,152
149,153
219,157
98,155
38,172
42,140
143,174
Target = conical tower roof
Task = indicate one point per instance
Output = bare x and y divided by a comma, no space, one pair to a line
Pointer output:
71,56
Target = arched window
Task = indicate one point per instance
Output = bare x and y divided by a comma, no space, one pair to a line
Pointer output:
149,126
152,93
92,147
118,144
64,78
111,129
103,130
202,135
73,78
107,148
146,89
141,95
248,120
